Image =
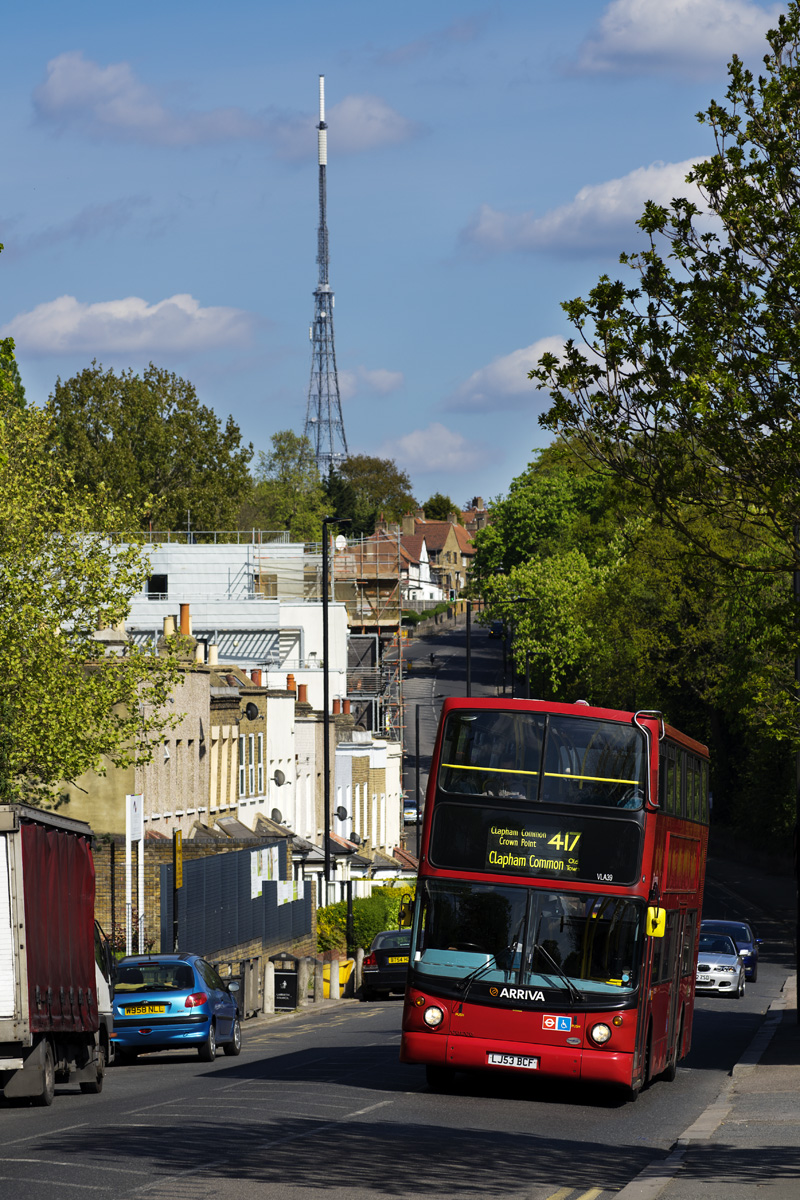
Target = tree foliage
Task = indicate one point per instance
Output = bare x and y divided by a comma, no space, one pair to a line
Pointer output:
65,708
606,603
438,508
155,448
287,490
366,488
686,385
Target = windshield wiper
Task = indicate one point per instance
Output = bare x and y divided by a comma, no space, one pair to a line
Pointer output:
575,995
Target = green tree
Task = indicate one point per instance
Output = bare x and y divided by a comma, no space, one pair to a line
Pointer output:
438,508
287,490
157,450
365,488
689,387
64,707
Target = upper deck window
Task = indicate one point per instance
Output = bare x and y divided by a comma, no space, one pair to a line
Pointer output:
552,759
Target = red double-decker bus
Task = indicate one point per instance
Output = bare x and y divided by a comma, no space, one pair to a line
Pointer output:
558,904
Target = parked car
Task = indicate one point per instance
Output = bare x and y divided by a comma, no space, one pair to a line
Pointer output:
720,967
496,629
746,942
174,1002
386,966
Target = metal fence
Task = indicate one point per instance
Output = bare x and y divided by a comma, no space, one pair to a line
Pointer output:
218,911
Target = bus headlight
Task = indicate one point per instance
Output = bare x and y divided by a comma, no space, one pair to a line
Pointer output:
433,1017
600,1034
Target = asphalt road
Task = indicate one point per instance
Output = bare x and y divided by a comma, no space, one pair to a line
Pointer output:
319,1101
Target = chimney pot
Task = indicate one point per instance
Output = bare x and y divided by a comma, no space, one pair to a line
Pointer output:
186,621
302,693
290,683
337,707
255,675
213,656
200,653
169,626
346,707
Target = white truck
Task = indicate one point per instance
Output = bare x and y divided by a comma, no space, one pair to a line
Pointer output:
55,966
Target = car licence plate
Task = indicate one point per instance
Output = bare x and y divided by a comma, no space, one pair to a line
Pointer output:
512,1060
144,1010
399,960
704,979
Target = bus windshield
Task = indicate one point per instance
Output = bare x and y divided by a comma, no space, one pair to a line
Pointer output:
551,759
478,934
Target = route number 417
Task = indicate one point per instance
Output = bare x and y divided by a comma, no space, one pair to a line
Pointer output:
565,841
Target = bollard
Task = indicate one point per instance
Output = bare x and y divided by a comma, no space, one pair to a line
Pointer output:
334,988
303,973
359,965
319,980
269,987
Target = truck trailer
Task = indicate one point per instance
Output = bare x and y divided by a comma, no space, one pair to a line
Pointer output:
55,1005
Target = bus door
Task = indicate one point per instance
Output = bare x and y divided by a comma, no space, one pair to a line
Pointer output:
675,975
643,1007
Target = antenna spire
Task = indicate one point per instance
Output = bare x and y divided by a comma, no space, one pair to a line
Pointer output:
324,426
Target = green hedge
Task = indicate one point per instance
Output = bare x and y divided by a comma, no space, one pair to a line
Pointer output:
370,916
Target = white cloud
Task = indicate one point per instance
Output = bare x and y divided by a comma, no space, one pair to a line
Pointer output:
110,102
690,36
434,449
504,383
112,326
380,382
595,220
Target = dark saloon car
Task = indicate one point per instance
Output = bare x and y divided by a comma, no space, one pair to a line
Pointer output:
386,966
745,938
173,1002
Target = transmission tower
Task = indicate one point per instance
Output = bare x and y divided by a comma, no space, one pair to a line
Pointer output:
324,425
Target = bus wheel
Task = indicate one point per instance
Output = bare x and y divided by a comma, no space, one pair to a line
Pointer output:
439,1079
671,1069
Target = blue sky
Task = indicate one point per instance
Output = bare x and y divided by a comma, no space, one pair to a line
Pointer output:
486,161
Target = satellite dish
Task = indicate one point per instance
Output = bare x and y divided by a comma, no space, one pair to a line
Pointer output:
341,813
341,542
355,839
251,711
277,816
279,777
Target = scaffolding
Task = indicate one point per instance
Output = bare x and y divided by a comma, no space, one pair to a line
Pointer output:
366,576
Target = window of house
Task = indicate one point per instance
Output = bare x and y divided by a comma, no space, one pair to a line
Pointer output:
157,587
242,766
260,764
252,763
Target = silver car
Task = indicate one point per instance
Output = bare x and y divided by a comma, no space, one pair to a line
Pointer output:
720,966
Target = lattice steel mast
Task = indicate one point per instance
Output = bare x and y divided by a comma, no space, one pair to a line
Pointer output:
324,426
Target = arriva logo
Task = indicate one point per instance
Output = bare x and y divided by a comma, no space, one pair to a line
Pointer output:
508,993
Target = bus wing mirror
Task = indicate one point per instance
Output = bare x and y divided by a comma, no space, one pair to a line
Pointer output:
404,917
656,922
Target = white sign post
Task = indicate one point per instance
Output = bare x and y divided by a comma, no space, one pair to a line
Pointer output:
134,832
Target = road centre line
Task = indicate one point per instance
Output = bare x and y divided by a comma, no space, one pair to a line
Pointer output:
49,1134
51,1162
86,1187
267,1145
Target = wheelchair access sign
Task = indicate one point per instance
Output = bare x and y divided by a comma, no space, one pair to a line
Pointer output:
556,1024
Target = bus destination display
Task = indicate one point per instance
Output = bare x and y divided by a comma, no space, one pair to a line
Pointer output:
533,847
589,848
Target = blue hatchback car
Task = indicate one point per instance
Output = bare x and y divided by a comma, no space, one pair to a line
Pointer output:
174,1002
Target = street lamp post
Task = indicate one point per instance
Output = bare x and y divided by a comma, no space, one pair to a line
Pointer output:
469,646
326,700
